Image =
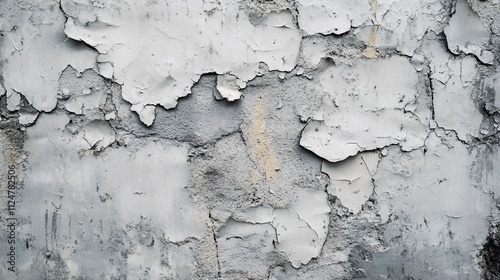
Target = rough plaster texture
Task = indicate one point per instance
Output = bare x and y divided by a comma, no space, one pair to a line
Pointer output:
248,139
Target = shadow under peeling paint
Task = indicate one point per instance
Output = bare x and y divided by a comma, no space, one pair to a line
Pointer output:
490,255
485,172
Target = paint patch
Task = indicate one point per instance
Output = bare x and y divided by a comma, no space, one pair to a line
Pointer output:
159,51
351,179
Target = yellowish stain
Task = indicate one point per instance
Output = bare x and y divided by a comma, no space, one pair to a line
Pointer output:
373,6
260,144
371,51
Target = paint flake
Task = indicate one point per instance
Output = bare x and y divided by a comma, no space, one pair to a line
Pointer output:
351,179
37,78
157,55
324,17
301,229
467,33
365,109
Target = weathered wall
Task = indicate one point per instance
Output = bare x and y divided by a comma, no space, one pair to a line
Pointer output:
247,139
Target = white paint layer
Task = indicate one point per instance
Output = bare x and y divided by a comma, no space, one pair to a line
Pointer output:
467,33
365,109
159,51
301,229
30,68
351,179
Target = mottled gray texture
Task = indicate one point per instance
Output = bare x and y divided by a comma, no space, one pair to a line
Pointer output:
300,139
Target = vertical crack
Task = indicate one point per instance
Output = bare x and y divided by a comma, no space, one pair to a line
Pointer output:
216,246
431,90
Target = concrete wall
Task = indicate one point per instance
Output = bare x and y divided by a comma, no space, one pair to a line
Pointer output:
242,139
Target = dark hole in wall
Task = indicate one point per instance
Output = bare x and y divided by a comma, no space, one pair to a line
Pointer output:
490,255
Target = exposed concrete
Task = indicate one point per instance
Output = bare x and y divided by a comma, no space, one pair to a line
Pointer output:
293,139
490,255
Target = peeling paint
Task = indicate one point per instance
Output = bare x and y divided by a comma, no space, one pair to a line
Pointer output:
31,70
322,17
437,224
351,179
453,84
299,231
151,76
228,87
248,139
401,25
365,110
467,33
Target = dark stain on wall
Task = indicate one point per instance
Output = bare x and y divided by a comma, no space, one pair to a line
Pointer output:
490,255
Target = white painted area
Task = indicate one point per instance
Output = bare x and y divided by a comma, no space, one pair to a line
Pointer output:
89,198
78,104
401,24
99,134
326,17
430,204
453,83
147,115
228,87
158,51
27,116
301,229
401,117
351,179
13,100
365,109
30,68
467,33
